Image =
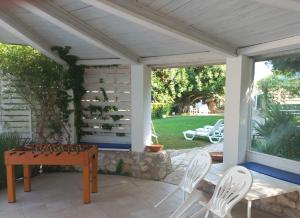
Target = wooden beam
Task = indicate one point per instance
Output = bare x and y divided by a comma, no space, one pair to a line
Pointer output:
153,21
184,59
101,62
23,32
166,60
270,48
277,54
291,5
186,64
57,16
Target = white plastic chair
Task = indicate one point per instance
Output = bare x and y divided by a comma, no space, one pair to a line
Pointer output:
214,133
196,171
231,189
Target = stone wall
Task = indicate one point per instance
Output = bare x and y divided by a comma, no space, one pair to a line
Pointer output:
285,206
145,165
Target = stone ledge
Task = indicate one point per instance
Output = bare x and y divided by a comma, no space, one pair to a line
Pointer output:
146,165
285,206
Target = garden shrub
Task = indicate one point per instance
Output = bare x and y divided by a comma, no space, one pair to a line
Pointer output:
280,134
160,109
8,141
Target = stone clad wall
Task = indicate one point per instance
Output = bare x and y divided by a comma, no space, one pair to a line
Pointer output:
157,166
145,165
285,206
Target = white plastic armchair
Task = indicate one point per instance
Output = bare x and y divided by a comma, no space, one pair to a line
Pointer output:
231,189
195,172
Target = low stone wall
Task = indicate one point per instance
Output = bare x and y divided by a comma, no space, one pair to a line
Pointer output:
285,206
145,165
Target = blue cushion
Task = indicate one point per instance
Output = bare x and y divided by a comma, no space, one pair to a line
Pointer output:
273,172
110,145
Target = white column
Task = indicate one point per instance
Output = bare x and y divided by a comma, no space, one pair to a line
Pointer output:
140,107
239,77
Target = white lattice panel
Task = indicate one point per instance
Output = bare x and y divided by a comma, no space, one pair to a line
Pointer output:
15,114
115,81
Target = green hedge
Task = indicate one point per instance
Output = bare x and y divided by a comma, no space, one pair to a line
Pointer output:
160,109
8,141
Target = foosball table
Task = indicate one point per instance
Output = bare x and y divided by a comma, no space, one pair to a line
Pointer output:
85,156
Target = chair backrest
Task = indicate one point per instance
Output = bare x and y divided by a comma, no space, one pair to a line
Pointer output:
196,170
232,188
217,127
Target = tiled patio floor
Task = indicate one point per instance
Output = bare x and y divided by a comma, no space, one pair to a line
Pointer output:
59,195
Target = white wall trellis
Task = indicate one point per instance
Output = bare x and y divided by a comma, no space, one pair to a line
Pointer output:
15,114
115,80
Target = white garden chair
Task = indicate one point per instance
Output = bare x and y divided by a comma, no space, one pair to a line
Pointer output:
214,133
231,189
195,172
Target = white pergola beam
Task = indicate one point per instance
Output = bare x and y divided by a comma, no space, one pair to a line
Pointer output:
291,5
291,43
76,27
166,60
23,32
101,62
155,22
203,57
185,64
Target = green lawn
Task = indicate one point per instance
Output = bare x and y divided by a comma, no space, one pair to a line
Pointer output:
170,130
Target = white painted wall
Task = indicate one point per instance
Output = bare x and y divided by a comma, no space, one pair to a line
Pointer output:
15,114
239,77
140,107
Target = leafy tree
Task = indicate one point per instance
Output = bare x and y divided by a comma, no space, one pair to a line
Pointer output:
287,64
184,86
279,131
277,87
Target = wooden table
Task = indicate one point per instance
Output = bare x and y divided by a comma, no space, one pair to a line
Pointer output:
85,156
263,186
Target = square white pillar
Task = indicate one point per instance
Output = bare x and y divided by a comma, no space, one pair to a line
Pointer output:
140,107
239,78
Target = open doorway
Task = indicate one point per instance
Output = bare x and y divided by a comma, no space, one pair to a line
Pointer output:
187,99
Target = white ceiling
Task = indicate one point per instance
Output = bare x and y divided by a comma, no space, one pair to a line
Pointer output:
232,24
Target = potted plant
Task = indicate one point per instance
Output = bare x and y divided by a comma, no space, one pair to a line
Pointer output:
154,147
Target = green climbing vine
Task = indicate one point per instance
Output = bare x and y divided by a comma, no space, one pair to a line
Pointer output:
40,82
44,85
99,112
74,79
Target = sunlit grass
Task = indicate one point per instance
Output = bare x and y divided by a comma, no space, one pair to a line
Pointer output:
170,130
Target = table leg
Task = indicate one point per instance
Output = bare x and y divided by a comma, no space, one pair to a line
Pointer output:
94,173
249,205
11,183
27,178
86,184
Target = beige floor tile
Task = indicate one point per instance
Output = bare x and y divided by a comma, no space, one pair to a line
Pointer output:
59,195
